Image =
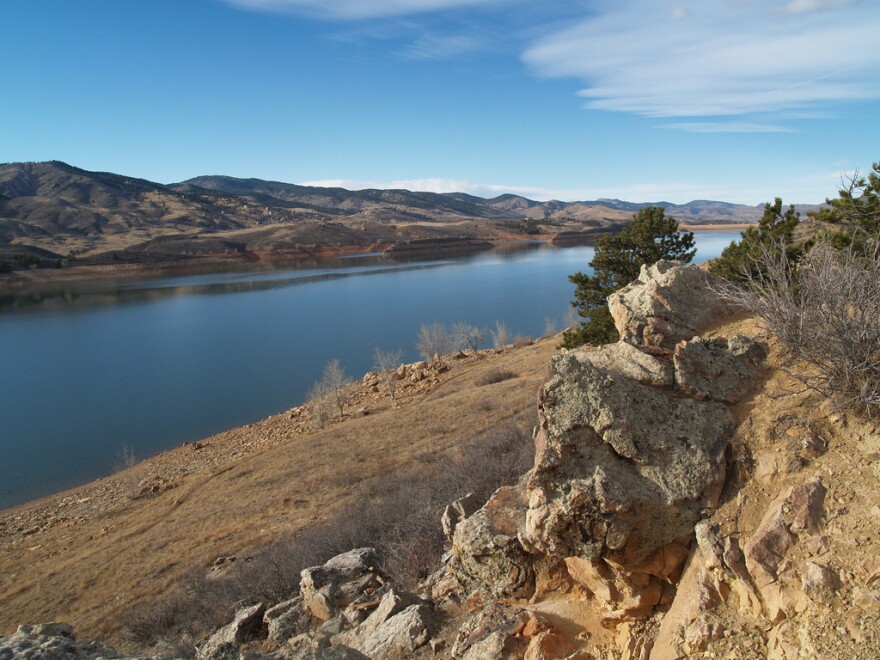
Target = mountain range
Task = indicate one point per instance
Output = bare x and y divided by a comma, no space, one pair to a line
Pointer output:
55,208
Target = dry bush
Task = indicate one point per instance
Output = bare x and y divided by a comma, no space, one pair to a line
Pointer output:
397,513
434,341
468,336
385,363
329,392
320,405
495,376
825,310
501,335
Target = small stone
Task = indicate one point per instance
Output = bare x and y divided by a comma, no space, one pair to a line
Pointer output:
818,545
866,599
816,578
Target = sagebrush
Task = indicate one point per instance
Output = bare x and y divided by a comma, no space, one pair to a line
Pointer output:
825,310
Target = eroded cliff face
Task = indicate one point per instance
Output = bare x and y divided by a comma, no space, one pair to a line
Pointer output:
685,498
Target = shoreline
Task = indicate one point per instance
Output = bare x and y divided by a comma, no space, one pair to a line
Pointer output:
267,260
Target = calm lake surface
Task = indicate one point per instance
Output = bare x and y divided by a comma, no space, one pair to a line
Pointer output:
88,368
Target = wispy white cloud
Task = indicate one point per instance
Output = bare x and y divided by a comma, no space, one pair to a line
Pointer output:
674,191
441,46
727,127
357,9
726,58
438,185
809,6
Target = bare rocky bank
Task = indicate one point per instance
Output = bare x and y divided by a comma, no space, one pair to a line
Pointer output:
687,499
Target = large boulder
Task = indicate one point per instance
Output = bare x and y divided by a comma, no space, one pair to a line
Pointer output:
288,619
400,635
622,473
398,625
327,590
493,633
488,553
668,303
629,361
224,643
457,511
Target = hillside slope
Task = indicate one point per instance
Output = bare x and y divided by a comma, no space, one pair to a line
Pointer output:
87,218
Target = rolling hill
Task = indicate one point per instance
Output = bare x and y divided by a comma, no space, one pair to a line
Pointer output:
52,210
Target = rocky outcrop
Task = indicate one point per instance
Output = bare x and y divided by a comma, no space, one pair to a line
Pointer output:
346,609
502,631
636,363
717,568
630,452
392,630
668,303
488,553
50,641
622,472
288,619
326,590
457,511
224,643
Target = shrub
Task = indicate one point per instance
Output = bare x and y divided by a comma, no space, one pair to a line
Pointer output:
468,336
501,335
329,392
385,363
495,376
825,311
434,342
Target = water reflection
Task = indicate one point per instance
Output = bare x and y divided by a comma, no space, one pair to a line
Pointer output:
115,292
70,296
87,367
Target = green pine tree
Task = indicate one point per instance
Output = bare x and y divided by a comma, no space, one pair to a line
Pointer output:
855,214
649,237
774,232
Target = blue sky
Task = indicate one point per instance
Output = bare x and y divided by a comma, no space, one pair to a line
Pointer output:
644,100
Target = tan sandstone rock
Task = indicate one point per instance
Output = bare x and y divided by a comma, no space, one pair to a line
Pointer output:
487,549
326,590
668,303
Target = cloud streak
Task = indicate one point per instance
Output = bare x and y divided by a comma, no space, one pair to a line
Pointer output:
357,9
693,59
677,192
727,127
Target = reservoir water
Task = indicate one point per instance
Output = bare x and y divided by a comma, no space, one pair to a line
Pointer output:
89,368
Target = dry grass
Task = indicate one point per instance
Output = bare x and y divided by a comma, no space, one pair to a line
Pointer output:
90,567
398,513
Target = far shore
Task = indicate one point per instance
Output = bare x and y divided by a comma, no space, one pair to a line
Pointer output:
719,227
256,260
